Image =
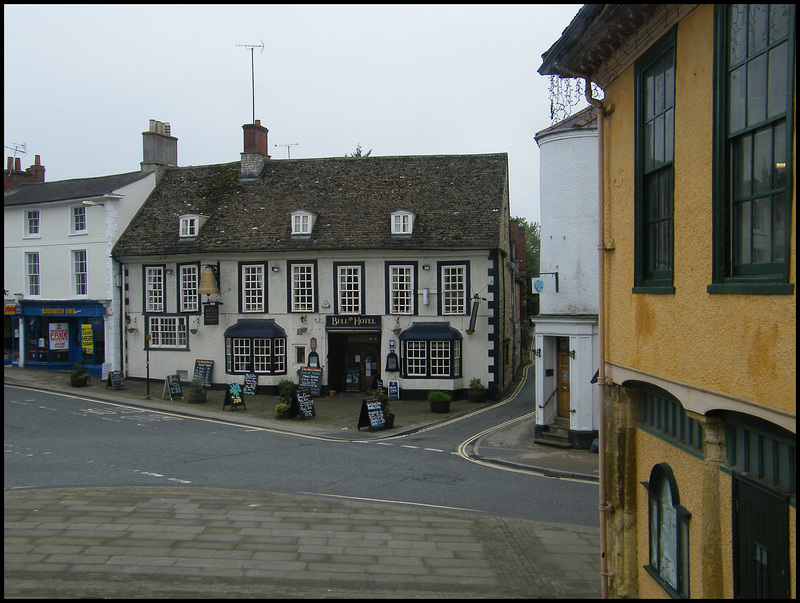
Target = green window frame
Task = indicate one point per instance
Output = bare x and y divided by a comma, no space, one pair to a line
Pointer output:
654,180
668,533
753,132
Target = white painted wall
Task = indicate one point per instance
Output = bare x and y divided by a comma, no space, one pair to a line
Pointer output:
568,192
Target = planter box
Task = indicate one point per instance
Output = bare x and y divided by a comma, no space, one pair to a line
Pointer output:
437,406
477,396
79,381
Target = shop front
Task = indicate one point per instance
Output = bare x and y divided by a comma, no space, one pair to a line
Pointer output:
56,335
354,344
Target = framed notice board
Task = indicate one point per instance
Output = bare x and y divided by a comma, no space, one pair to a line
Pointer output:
202,372
250,384
305,404
371,414
311,379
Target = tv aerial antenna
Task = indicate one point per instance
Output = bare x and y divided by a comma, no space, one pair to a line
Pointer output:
288,150
252,71
17,147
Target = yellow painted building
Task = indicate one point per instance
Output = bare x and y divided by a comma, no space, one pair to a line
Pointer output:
698,309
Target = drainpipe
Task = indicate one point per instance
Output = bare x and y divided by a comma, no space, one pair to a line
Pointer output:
601,374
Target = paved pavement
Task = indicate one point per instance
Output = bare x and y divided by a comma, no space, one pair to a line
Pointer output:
139,542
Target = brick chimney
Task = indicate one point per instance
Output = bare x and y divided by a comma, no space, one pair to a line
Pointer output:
160,147
255,150
14,176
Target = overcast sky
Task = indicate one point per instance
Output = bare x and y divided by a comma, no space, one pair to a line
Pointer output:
81,82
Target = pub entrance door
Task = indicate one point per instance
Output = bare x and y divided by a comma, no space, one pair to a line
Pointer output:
353,360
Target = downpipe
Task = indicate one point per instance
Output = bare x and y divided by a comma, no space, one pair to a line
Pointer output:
601,375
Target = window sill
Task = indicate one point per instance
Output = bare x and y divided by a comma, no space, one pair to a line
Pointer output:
665,585
654,289
764,288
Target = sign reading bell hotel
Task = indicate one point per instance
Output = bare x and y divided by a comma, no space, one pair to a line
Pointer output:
367,323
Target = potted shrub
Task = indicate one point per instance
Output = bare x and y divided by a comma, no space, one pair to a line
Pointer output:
477,390
286,391
79,376
439,401
197,393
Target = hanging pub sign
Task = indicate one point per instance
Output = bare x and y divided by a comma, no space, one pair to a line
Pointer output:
210,314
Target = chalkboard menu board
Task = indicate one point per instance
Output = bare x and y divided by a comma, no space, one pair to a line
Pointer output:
305,404
115,380
202,372
394,389
311,379
233,397
371,414
174,387
250,384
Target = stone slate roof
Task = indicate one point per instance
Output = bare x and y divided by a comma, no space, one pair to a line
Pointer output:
459,201
65,190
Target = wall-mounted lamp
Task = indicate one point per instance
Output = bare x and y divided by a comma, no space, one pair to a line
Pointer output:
131,328
302,330
275,269
169,271
392,364
571,354
303,318
325,304
426,266
537,352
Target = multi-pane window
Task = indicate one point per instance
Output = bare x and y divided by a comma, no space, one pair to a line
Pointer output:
302,288
402,222
416,358
259,355
668,533
431,358
440,358
32,275
302,223
253,288
454,289
80,272
753,144
667,416
655,135
78,219
154,288
189,226
764,456
167,332
189,298
401,282
349,289
32,223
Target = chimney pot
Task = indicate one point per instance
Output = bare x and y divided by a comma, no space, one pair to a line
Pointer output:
10,163
18,164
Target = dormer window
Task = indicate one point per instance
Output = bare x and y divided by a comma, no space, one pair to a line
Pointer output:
302,222
189,226
402,222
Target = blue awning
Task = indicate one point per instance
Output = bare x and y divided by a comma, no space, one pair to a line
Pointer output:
261,329
430,331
